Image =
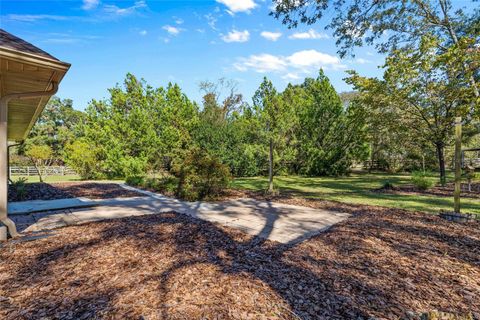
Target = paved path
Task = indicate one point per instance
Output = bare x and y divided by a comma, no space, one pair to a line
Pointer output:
274,221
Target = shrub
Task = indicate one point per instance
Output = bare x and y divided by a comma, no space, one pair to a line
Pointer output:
134,181
388,185
166,185
421,180
134,167
151,183
82,157
169,185
200,175
20,188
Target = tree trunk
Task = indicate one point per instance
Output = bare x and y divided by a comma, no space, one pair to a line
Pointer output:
441,162
39,173
38,169
270,168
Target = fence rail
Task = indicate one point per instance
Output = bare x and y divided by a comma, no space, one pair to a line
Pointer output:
45,171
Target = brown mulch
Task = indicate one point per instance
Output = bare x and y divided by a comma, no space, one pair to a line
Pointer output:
64,190
446,191
380,263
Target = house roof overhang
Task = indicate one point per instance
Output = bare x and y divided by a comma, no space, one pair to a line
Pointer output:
26,69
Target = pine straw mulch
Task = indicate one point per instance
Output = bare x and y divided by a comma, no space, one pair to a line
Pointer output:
65,190
380,263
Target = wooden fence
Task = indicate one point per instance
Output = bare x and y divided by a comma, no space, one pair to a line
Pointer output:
46,171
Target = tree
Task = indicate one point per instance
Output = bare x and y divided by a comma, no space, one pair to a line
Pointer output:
422,89
273,115
58,125
394,25
41,156
329,134
139,128
220,106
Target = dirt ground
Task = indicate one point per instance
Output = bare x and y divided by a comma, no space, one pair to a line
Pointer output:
63,190
380,263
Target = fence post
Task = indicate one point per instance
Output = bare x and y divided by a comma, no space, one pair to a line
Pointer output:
458,164
28,171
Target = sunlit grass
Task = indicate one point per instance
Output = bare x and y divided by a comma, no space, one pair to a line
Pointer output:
57,178
358,189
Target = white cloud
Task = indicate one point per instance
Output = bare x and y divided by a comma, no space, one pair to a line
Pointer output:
211,21
35,17
68,38
308,59
90,4
115,10
179,20
238,5
362,61
262,63
105,12
310,34
291,76
236,36
299,62
172,30
272,36
143,32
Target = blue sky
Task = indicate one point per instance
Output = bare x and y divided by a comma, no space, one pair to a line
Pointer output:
177,41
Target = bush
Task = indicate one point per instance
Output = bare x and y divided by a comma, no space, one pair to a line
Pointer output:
388,185
82,157
134,181
166,185
200,175
134,167
422,180
20,188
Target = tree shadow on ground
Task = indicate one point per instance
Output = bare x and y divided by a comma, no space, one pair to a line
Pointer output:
170,266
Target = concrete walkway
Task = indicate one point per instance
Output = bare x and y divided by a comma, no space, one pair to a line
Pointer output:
274,221
31,206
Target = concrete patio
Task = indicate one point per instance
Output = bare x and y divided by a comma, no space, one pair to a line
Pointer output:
284,223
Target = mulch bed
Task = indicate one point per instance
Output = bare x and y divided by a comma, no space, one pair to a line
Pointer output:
380,263
446,191
65,190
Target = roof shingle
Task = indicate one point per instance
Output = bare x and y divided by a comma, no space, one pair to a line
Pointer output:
10,41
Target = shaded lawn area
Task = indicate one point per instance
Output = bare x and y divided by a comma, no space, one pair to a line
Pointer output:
53,178
359,189
379,263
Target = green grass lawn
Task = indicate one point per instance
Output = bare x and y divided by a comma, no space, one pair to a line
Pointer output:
65,178
357,189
